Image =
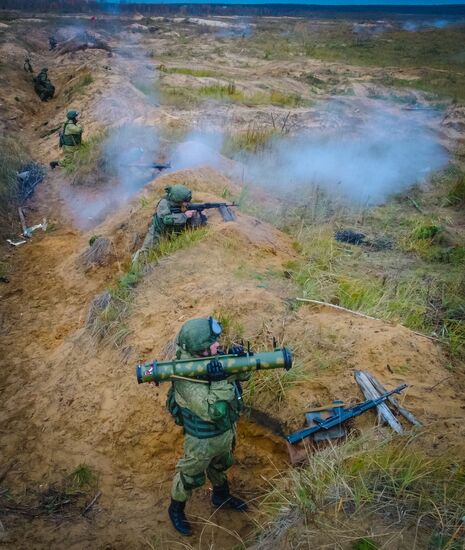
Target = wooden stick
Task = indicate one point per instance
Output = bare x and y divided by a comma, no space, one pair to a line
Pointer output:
402,410
415,204
92,502
327,304
340,308
440,382
370,392
22,219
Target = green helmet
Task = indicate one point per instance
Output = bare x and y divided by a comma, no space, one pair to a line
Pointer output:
199,334
178,193
44,70
72,114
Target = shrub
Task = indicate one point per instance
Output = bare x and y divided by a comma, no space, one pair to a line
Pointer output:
12,157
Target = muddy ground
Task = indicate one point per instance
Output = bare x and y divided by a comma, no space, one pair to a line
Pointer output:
68,398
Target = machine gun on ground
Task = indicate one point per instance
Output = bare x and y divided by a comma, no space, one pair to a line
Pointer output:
339,415
224,208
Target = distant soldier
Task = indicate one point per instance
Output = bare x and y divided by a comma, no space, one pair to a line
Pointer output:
42,86
27,65
70,136
52,42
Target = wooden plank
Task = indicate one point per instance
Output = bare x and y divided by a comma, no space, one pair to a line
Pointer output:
370,392
22,220
402,410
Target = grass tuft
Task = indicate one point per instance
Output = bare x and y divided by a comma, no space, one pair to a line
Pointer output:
368,477
82,476
12,157
78,87
109,311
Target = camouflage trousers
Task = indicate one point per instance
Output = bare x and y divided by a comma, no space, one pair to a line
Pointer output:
151,238
203,458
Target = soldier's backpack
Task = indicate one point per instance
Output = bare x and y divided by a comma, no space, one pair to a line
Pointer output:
61,139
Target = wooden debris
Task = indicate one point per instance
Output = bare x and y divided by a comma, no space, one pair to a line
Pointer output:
91,503
370,392
99,253
340,308
402,410
22,220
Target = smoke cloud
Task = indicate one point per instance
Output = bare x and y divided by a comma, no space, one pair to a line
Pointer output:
364,159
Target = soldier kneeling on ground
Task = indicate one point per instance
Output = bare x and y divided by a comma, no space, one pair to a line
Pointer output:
208,410
42,85
172,215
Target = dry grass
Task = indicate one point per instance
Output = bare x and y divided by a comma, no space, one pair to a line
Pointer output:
372,476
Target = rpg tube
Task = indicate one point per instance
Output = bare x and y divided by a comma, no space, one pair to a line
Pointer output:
159,371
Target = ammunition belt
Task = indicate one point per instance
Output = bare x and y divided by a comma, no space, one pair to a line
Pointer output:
195,426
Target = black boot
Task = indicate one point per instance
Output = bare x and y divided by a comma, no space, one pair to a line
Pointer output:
222,497
178,517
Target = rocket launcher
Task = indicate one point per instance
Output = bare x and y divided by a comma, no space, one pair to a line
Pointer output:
159,371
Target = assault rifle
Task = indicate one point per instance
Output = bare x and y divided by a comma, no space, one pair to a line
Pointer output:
340,415
224,208
153,165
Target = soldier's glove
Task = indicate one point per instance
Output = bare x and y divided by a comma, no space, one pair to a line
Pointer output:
215,371
236,349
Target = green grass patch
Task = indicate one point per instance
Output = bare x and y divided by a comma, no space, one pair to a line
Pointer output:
12,157
367,477
109,310
456,193
438,53
183,97
187,71
82,476
253,140
86,162
176,96
79,86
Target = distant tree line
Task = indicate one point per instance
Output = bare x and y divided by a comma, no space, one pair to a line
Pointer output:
92,6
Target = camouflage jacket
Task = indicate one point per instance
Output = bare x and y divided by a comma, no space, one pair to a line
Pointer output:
72,133
201,399
165,219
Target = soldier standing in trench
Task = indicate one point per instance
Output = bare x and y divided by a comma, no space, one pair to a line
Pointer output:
208,410
70,136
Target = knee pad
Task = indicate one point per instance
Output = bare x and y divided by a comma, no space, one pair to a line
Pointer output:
192,482
226,462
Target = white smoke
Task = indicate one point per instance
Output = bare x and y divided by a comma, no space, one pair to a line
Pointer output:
363,157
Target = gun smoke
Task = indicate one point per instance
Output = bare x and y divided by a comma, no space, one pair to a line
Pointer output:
364,158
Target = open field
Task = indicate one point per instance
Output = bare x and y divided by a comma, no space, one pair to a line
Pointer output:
313,126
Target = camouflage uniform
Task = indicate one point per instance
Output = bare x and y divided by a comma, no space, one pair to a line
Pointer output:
208,413
42,86
206,457
71,135
168,219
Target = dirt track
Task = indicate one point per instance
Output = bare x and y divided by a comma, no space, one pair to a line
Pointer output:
68,400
